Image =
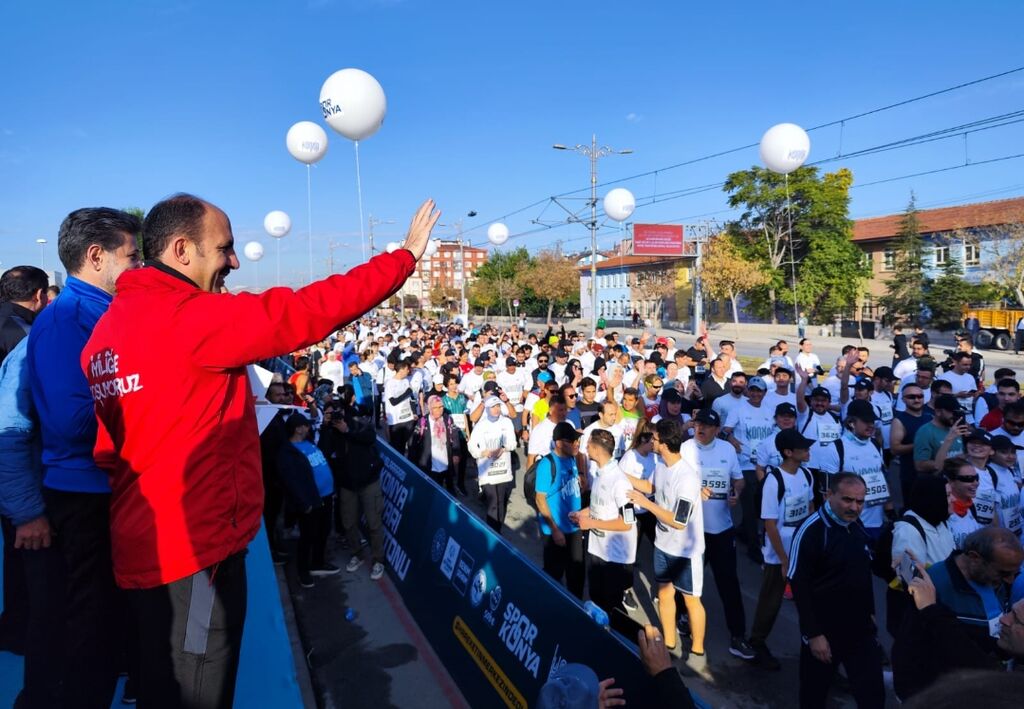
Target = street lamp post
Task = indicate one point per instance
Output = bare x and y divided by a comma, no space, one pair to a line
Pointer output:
592,152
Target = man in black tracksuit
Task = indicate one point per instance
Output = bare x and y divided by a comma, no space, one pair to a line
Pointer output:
830,574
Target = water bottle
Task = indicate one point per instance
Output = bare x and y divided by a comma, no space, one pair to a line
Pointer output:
596,613
350,614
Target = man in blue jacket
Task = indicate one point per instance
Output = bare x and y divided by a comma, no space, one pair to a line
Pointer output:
73,578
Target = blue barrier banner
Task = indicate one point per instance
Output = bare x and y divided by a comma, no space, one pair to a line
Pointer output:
498,623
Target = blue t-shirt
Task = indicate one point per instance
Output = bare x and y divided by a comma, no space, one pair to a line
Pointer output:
563,493
321,471
573,417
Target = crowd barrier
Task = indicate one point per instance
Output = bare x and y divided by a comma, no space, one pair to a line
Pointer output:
498,623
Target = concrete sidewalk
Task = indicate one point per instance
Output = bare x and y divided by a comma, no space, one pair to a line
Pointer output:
380,658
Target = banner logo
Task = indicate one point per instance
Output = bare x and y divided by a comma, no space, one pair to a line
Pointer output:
479,587
437,546
518,633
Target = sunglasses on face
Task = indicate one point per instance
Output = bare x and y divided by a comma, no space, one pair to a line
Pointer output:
966,478
913,397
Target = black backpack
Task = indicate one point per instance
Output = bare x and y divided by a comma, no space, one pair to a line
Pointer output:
777,474
881,560
530,480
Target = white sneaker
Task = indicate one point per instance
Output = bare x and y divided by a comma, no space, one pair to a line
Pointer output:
353,564
377,571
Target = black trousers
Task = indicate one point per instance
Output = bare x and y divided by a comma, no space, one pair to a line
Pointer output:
399,435
445,478
769,601
14,619
567,562
190,636
497,503
314,527
720,553
860,655
750,521
273,501
608,581
76,633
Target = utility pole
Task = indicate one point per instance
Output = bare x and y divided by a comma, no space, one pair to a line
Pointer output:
331,246
592,152
373,221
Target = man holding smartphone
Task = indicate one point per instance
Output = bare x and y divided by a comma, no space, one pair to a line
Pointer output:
679,539
721,484
611,520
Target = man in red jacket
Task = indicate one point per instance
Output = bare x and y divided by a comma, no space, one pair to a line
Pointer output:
181,446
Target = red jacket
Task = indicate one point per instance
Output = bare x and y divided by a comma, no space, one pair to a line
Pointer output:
177,433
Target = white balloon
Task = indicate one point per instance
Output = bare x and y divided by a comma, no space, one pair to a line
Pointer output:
253,251
277,224
392,247
619,204
497,233
307,142
353,103
784,148
432,247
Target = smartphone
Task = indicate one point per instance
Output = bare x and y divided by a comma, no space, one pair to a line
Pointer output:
684,508
907,570
629,513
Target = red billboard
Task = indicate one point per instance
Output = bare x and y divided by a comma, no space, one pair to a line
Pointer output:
658,239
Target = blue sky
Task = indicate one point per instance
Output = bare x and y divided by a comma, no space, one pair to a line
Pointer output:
120,104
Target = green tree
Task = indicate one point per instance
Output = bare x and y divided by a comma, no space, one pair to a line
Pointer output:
762,231
551,278
500,274
832,271
141,214
481,296
905,289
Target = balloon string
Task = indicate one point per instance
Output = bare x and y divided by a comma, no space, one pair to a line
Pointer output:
359,192
278,241
309,216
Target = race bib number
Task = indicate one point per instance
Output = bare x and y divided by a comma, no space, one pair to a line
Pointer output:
885,412
716,480
985,508
828,432
499,466
460,421
878,488
403,412
1013,520
796,509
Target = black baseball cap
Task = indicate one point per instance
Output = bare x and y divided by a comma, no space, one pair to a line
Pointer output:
884,373
947,402
708,416
561,353
481,361
511,362
490,385
862,410
1004,443
863,384
792,439
821,391
449,352
785,409
565,431
979,435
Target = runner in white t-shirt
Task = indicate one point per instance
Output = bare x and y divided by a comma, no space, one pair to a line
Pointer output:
612,524
783,510
679,539
750,423
722,483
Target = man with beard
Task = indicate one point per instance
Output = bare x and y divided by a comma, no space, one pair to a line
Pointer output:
905,425
187,496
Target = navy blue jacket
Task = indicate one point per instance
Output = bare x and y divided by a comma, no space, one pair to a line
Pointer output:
67,420
21,492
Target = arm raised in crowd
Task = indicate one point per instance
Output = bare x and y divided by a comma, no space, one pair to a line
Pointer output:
228,331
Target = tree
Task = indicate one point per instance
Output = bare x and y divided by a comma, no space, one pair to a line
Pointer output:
141,214
655,283
762,230
442,296
724,274
500,273
904,291
481,296
832,271
1005,269
551,278
947,294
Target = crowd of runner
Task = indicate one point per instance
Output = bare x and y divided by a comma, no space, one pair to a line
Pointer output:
641,447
